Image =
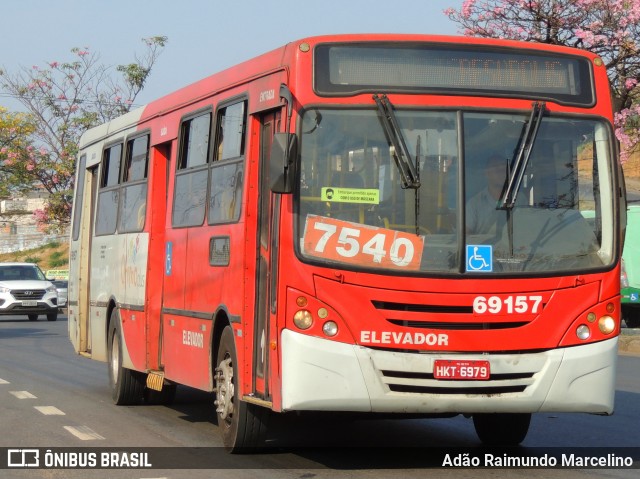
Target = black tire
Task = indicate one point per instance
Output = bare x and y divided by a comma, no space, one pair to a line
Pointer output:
243,425
502,429
32,317
127,386
52,317
631,316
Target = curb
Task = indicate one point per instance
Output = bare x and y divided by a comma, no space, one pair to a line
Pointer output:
629,342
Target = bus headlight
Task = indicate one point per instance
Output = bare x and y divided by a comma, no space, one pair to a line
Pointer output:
330,328
583,332
303,319
606,324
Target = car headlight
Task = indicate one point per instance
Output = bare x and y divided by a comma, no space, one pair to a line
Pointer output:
51,289
4,290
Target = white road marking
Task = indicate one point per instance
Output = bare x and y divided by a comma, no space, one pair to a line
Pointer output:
2,381
84,433
50,410
23,395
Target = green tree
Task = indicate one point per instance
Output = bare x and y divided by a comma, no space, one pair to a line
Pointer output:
62,101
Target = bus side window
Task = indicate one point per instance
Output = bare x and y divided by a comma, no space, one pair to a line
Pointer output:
227,170
107,215
134,189
77,206
191,178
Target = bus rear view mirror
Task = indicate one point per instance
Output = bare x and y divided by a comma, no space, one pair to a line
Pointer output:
283,151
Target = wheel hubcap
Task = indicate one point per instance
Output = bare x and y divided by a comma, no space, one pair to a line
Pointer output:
224,389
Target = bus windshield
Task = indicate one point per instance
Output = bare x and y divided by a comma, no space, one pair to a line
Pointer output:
355,212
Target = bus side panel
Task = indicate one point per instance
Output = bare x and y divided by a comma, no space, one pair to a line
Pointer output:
134,338
175,266
187,351
118,276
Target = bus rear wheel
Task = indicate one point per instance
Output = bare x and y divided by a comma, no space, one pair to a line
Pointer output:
243,425
502,429
127,386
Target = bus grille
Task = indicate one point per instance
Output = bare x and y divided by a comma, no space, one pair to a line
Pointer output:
459,326
424,383
27,294
430,310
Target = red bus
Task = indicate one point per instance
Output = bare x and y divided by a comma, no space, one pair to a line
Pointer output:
404,224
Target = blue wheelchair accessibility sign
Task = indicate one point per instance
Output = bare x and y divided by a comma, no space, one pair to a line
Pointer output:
168,258
633,297
479,258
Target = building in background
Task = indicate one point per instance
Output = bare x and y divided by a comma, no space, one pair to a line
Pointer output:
18,228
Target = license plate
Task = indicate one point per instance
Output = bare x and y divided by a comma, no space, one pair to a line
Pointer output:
472,370
29,303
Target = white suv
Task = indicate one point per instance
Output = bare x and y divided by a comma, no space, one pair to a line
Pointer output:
24,289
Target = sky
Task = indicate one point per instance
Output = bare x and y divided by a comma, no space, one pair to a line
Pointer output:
205,36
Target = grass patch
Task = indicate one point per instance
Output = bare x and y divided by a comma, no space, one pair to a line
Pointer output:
54,255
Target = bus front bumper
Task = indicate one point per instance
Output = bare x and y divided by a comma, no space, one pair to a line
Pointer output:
323,375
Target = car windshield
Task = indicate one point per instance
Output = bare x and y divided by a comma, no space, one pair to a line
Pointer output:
20,273
354,209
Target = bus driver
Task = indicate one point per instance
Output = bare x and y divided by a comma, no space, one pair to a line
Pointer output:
483,217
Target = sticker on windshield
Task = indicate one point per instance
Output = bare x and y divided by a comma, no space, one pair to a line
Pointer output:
363,245
367,196
479,258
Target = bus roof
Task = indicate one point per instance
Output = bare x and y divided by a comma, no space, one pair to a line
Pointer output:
279,59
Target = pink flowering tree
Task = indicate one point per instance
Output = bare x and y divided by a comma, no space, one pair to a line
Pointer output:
609,28
15,130
62,100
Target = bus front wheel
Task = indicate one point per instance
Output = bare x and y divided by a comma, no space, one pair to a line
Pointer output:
243,425
127,386
502,429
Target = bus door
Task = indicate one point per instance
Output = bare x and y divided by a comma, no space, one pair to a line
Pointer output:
82,231
160,164
268,221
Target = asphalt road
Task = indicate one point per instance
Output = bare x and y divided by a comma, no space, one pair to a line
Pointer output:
50,398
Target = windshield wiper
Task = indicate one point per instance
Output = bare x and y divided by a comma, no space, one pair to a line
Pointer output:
401,154
527,139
